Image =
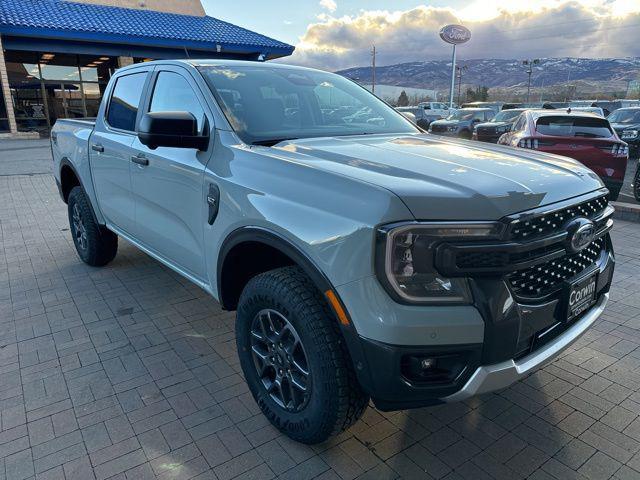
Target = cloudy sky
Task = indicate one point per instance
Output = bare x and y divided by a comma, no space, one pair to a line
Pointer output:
336,34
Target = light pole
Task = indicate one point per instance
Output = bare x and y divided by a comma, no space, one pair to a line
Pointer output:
373,70
529,64
460,70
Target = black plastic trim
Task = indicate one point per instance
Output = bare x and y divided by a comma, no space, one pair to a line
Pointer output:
390,390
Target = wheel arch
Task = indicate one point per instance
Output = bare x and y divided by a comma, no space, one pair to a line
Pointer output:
259,240
69,179
229,292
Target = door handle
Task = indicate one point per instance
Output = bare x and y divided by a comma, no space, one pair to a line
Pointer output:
140,160
96,147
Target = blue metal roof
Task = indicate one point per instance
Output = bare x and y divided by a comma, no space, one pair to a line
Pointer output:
61,19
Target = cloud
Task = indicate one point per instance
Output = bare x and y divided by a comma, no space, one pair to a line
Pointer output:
330,5
516,29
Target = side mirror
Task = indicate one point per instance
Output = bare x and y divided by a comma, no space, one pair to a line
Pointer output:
171,129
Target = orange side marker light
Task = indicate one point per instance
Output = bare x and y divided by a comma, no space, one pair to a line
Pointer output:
337,307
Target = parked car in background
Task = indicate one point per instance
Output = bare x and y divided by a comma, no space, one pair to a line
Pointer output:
583,136
626,123
461,122
436,108
423,116
495,106
500,124
595,110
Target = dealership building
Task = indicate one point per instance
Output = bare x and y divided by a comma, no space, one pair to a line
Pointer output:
56,56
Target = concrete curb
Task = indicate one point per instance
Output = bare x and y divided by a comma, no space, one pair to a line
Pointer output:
626,211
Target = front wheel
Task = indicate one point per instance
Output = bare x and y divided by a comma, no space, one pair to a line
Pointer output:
636,184
96,246
294,358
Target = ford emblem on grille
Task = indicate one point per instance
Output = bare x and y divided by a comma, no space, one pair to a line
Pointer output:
581,232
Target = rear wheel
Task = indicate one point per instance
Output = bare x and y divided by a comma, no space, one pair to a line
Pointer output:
636,184
96,246
294,358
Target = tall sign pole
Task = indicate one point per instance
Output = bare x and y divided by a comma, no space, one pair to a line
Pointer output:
453,75
373,71
454,35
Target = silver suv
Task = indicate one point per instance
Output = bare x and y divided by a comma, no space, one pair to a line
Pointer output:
365,258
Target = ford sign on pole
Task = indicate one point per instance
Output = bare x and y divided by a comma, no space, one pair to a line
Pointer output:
455,35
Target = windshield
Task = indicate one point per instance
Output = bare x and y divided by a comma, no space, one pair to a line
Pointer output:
506,116
625,116
569,126
463,114
266,104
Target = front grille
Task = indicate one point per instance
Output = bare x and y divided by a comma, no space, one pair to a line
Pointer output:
553,222
546,278
438,128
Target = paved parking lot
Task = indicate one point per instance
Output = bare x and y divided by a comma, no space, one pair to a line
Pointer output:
130,372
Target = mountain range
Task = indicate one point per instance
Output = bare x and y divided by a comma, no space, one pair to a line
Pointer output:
587,76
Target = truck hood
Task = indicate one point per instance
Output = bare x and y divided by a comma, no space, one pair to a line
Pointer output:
448,179
450,123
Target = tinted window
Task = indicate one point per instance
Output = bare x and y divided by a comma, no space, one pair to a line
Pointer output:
507,115
265,104
569,126
125,100
172,93
625,116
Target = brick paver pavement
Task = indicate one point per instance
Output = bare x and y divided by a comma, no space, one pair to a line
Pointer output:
130,371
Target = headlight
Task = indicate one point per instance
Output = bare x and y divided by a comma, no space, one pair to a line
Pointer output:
405,260
503,129
629,134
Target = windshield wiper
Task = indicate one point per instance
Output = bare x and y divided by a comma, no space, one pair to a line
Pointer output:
270,142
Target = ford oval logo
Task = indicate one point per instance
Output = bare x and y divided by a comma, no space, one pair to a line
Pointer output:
455,34
581,233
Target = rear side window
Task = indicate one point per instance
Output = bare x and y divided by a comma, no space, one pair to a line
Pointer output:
568,126
125,100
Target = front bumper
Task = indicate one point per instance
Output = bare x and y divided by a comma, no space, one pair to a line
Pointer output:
495,377
488,345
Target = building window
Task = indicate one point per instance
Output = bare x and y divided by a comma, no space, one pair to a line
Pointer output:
49,86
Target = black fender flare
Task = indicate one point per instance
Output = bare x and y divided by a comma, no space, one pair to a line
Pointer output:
65,162
274,240
320,280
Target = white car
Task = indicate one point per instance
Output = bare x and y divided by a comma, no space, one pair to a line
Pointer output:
436,108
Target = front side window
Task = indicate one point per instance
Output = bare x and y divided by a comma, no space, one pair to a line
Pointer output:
466,115
507,116
267,104
172,93
125,101
570,126
625,116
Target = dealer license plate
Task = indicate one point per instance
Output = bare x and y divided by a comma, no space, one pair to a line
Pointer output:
582,295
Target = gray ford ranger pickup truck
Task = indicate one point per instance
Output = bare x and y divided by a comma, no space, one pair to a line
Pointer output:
365,258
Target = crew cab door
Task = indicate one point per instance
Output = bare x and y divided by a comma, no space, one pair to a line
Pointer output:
110,149
167,183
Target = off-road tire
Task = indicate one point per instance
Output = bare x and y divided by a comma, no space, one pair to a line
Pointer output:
336,400
99,245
